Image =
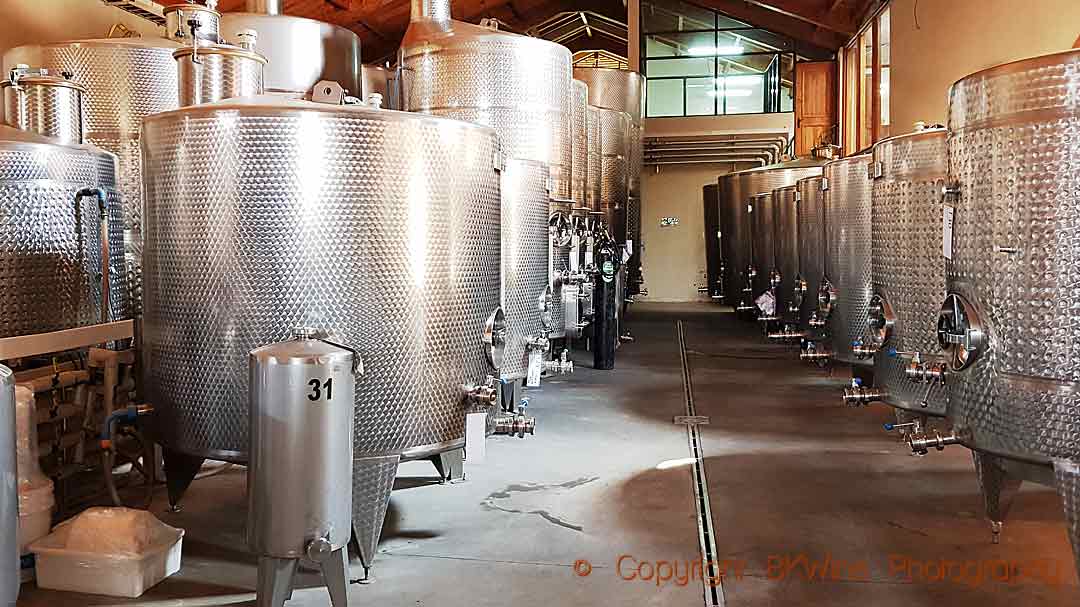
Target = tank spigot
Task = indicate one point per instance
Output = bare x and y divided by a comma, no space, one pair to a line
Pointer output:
925,372
515,424
857,394
922,443
788,333
862,350
560,366
812,352
534,342
744,307
816,321
483,395
768,318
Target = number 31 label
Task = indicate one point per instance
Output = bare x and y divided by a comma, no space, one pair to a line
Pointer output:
321,390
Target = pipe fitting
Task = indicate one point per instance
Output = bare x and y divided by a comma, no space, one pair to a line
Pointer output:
922,443
858,395
788,333
560,366
919,372
816,321
814,354
744,307
775,279
484,395
515,424
863,351
534,342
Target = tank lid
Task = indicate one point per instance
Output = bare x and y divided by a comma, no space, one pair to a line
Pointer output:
23,74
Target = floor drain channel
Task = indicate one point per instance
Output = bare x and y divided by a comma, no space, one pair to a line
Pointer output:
713,591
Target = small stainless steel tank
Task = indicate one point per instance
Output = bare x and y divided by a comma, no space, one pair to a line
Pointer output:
51,239
763,242
787,252
9,493
300,469
126,79
811,218
1010,323
735,191
46,104
300,52
179,27
847,288
615,89
215,72
563,221
908,270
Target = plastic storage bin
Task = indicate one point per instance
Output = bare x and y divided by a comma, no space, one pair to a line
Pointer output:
111,551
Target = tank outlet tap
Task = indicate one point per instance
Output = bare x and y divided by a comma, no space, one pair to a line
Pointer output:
768,318
775,279
814,354
789,333
922,443
575,278
483,395
744,307
862,350
560,366
816,320
534,342
515,424
919,372
858,395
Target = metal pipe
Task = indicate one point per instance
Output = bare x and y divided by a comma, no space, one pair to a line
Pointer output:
434,10
263,7
858,395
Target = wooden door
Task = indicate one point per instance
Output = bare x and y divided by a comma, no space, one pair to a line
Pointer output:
815,104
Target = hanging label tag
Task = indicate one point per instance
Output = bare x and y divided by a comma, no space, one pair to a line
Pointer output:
536,365
948,213
575,249
475,439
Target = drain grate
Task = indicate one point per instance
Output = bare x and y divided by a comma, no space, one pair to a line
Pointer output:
713,593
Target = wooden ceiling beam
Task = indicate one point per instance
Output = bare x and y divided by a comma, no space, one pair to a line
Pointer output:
799,30
800,12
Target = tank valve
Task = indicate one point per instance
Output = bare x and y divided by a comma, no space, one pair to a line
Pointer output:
561,366
816,320
515,424
861,350
744,307
858,394
925,372
484,395
775,279
537,343
789,333
813,352
922,443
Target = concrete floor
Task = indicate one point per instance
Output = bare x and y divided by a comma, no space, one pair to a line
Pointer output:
792,473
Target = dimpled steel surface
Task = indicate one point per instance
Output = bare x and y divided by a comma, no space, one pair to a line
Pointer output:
524,248
908,269
45,107
518,85
1012,148
786,223
811,219
735,192
614,166
595,164
763,241
579,161
50,248
125,79
379,227
222,72
847,261
615,89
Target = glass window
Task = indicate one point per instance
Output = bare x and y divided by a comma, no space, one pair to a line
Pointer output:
743,94
664,97
883,72
787,97
694,44
675,16
701,96
866,88
661,68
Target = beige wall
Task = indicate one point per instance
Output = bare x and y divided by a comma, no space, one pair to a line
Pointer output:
674,257
958,37
27,21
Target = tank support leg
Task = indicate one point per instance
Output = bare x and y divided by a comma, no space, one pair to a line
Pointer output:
998,490
373,479
451,465
1067,480
180,470
335,573
275,577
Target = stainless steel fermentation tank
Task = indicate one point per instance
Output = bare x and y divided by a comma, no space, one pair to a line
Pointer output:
52,236
847,289
125,79
405,268
908,273
214,72
811,219
521,87
763,249
735,192
786,225
1009,323
594,174
44,103
9,493
714,264
614,127
567,225
302,413
299,52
